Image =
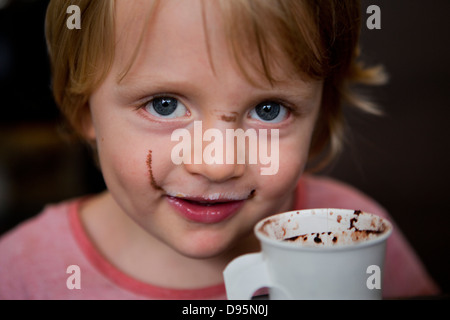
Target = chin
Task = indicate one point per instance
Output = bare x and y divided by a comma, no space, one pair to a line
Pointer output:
204,245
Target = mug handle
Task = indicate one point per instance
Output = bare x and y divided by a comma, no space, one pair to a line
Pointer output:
244,275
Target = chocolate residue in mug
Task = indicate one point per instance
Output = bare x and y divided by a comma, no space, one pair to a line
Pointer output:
266,223
351,234
150,172
352,223
317,239
364,234
303,237
345,237
358,232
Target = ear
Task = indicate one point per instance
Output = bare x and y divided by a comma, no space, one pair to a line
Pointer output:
87,127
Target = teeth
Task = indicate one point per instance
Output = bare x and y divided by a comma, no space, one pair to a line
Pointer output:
204,203
225,196
215,196
208,203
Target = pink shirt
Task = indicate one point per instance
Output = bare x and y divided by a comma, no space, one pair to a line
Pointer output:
34,257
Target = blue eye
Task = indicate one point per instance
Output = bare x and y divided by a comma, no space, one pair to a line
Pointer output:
269,111
166,107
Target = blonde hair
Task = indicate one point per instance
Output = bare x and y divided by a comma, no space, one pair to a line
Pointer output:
319,38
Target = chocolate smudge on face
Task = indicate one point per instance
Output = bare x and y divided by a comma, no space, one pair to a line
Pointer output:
150,172
229,118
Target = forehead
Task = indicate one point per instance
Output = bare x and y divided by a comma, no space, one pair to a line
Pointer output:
160,31
180,36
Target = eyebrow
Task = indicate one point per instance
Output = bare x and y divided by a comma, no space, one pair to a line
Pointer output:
300,94
298,91
130,88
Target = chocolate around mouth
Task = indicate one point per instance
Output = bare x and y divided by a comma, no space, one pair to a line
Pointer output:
157,187
150,172
209,203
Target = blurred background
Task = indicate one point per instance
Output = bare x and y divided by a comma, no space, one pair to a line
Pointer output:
401,159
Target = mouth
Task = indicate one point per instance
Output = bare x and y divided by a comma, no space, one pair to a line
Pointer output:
209,209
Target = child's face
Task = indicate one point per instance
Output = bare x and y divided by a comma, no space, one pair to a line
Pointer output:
174,81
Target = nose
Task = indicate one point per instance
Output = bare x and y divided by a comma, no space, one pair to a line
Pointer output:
212,157
217,172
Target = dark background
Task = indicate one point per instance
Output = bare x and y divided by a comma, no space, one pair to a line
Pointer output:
401,159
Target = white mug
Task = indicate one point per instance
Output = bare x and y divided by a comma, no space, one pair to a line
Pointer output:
313,254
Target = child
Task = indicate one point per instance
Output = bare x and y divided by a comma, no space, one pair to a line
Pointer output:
139,71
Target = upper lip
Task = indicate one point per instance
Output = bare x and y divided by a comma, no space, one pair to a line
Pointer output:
213,197
207,201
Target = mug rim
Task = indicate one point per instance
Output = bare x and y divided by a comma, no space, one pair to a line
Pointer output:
293,246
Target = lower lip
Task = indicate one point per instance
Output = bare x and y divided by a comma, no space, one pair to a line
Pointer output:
205,214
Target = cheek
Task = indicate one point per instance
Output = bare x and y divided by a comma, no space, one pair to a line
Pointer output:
127,163
292,160
123,166
135,169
